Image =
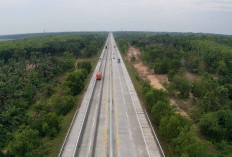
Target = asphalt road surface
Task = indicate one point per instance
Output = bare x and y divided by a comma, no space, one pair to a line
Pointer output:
111,121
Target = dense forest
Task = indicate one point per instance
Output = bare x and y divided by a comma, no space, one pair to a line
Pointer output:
210,58
30,109
41,35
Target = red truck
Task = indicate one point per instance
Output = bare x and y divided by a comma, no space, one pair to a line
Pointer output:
99,75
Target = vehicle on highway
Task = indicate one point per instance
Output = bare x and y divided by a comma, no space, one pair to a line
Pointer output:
99,75
113,57
106,47
119,60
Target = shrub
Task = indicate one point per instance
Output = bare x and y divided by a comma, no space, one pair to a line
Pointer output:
146,87
153,96
51,124
48,124
161,109
75,81
186,143
171,74
182,85
170,126
85,65
24,143
196,114
62,104
217,126
209,126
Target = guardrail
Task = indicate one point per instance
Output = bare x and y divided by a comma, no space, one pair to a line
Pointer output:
156,138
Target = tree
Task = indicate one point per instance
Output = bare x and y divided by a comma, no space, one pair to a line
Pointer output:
51,124
89,50
225,121
159,110
48,124
85,65
186,143
161,66
27,67
170,126
24,143
153,96
210,128
75,81
171,74
62,104
198,89
182,85
29,92
222,68
146,87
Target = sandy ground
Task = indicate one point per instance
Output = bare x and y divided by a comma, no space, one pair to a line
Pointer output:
144,71
129,54
30,67
156,81
146,75
192,77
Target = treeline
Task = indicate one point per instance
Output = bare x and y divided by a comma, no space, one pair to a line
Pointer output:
27,49
28,71
46,35
207,56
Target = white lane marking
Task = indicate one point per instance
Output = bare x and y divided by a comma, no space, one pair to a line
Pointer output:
77,111
111,107
106,111
122,62
90,142
95,113
129,129
131,138
127,114
68,134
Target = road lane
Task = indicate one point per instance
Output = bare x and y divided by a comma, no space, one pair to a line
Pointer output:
101,140
142,134
115,123
70,144
130,133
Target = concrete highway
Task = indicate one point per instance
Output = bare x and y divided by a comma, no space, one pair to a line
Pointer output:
111,121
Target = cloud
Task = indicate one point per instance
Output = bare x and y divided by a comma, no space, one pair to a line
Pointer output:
22,16
214,5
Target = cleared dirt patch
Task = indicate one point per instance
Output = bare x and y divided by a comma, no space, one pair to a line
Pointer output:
30,67
145,73
178,109
156,81
192,77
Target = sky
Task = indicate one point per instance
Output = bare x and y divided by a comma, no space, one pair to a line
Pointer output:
36,16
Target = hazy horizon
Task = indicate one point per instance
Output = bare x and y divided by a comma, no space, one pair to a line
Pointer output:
196,16
110,31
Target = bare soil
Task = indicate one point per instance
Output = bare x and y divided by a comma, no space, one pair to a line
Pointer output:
156,81
192,77
30,67
146,74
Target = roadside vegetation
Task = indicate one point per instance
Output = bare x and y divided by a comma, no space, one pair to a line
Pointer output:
40,83
207,130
